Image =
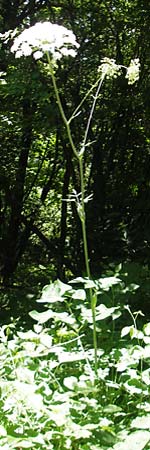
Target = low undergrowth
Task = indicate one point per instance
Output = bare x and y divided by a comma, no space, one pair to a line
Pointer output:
51,398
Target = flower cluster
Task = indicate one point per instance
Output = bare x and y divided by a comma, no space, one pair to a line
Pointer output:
45,37
133,71
109,68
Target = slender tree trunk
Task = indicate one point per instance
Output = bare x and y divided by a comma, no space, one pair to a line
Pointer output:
12,243
63,224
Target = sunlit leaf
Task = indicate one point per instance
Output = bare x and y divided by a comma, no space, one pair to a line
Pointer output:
46,340
107,282
102,312
41,317
142,422
146,351
146,376
79,294
54,292
112,409
65,318
134,441
3,431
28,335
88,284
146,329
126,330
70,382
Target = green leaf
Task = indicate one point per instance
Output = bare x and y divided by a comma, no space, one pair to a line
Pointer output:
79,294
41,317
107,282
112,409
70,382
54,292
146,351
134,441
22,443
89,284
102,312
135,386
126,330
142,422
46,340
94,300
3,431
78,280
146,329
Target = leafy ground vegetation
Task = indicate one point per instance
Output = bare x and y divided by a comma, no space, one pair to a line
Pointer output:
74,327
51,396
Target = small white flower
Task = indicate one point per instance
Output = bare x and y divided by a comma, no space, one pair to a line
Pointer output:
133,71
45,37
18,54
68,52
26,49
38,54
109,68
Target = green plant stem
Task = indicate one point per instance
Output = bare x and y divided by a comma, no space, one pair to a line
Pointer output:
79,157
86,256
61,109
75,113
83,219
92,111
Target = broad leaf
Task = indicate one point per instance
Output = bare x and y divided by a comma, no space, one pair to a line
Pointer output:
41,317
134,441
54,292
142,422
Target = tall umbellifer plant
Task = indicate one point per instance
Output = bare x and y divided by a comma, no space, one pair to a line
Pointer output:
57,42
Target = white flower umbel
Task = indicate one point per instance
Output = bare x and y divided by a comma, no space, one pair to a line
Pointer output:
109,68
133,71
45,37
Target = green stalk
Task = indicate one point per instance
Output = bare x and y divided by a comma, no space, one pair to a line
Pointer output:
82,215
87,265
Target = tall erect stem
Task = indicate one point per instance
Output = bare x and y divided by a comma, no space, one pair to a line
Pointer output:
83,219
82,215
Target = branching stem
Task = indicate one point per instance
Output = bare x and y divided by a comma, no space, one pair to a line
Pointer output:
79,157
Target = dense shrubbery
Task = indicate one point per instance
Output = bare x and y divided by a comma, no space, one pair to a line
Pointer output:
50,395
79,378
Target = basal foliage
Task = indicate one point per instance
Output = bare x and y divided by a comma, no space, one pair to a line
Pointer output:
50,397
74,383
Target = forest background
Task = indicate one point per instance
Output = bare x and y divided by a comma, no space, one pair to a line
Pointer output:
75,375
40,233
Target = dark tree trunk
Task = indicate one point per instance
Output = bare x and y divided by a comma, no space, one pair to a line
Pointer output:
12,243
63,224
